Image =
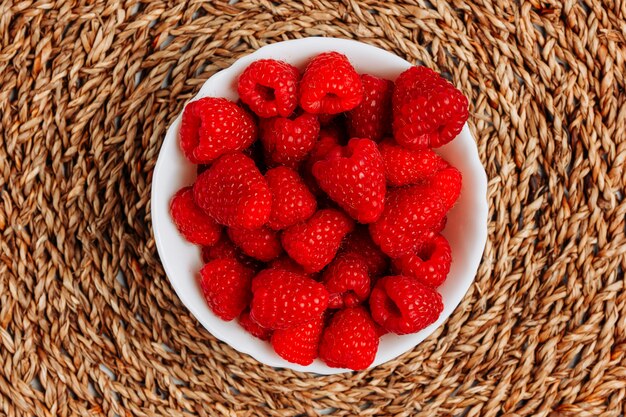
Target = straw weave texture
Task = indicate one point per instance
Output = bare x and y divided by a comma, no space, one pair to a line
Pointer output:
87,90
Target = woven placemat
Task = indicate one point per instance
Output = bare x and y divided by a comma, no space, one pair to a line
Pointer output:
86,94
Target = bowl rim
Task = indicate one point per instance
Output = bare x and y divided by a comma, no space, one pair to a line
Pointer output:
275,50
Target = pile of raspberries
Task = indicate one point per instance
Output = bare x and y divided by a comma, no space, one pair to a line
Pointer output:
319,204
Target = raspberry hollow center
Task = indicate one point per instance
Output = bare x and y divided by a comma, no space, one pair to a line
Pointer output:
392,307
266,93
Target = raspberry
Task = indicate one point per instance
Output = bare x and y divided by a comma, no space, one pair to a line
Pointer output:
428,111
283,299
447,183
372,118
405,166
350,340
404,305
292,202
410,214
314,243
288,142
330,85
360,243
225,249
299,344
429,263
253,327
431,121
329,139
234,192
347,281
225,284
353,176
211,127
416,81
262,244
194,224
269,87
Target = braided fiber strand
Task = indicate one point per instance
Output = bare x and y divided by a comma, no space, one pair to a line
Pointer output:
87,90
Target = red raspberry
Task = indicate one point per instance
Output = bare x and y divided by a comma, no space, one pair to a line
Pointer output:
404,305
314,243
447,183
353,176
292,202
283,299
269,87
350,340
288,142
329,139
225,285
225,249
410,214
416,81
299,344
360,243
405,166
253,327
194,224
212,127
347,281
431,121
330,85
262,244
372,118
428,111
429,263
285,263
234,192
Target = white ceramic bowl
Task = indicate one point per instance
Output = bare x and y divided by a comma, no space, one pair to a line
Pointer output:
466,229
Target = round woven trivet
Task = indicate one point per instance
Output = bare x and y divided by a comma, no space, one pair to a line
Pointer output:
86,94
